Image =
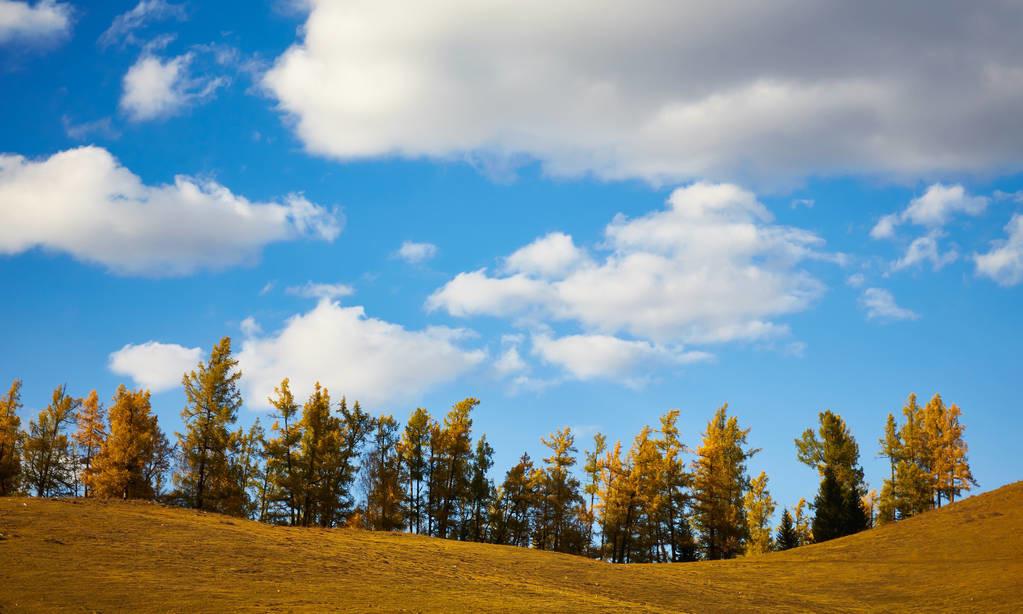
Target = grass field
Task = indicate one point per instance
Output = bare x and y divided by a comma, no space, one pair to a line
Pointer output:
79,555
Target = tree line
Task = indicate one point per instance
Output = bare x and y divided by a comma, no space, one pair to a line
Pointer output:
329,464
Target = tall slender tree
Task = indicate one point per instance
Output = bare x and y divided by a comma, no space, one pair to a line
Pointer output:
382,477
414,449
837,452
10,440
282,457
719,483
759,506
211,409
91,433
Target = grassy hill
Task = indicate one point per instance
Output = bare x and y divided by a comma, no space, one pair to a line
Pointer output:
95,556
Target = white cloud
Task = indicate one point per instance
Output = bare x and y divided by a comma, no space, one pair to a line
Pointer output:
664,91
415,253
250,327
925,249
709,268
803,202
856,280
153,365
880,305
102,128
156,88
321,291
588,357
363,358
123,28
509,362
1004,261
84,203
42,21
549,256
932,210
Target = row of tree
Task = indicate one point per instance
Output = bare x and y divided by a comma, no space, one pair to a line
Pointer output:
329,464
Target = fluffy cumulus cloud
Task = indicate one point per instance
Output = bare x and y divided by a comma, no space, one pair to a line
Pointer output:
363,358
663,90
932,210
711,267
153,365
156,87
588,357
881,305
1004,261
416,253
925,250
42,21
84,203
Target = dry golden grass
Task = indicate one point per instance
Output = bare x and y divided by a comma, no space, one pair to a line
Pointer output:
81,555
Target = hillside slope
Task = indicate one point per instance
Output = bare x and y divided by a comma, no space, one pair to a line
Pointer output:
96,556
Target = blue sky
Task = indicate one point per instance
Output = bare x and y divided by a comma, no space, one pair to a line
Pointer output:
600,230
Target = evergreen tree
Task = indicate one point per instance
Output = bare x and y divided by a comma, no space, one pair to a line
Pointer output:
450,478
513,504
282,452
675,483
414,450
759,506
320,459
10,440
719,483
245,465
118,470
804,530
557,526
481,491
382,477
835,453
49,460
786,537
211,391
592,487
91,433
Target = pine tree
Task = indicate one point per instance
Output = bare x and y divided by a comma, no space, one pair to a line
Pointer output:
892,449
118,470
414,450
592,487
675,483
759,506
950,466
320,449
786,537
246,469
829,519
719,483
10,440
450,482
282,458
481,491
558,525
382,477
514,502
155,471
49,460
837,453
213,400
91,433
804,531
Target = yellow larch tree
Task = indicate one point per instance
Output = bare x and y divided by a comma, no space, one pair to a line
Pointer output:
90,435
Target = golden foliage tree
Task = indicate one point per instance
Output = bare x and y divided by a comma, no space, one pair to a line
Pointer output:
10,440
119,469
90,435
759,506
719,483
49,460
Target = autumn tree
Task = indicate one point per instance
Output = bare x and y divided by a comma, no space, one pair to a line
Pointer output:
414,449
49,460
10,440
513,502
91,433
320,459
786,536
282,452
835,451
212,402
719,483
592,470
758,506
673,499
119,469
382,477
803,522
246,470
557,524
481,492
452,448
